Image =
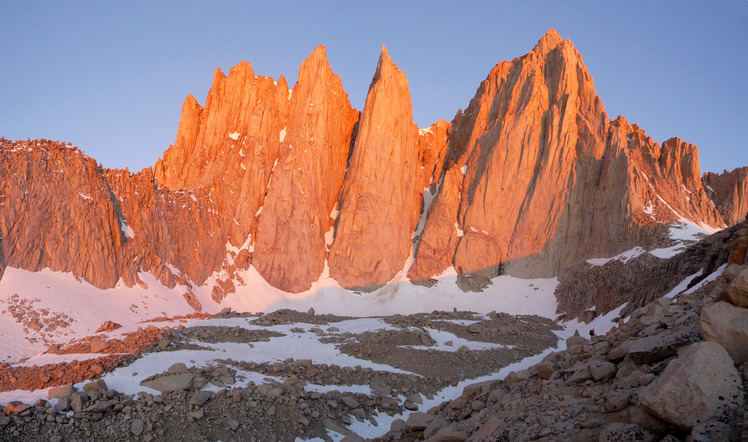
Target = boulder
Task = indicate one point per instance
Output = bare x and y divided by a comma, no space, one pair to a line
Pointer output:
61,391
173,382
418,421
97,385
660,346
702,383
727,325
737,292
601,369
200,398
16,407
575,374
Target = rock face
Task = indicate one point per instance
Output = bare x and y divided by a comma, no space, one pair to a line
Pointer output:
537,177
729,193
532,179
700,384
380,200
295,227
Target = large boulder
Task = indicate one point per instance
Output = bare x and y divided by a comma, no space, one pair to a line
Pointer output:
700,384
174,382
728,326
660,346
737,291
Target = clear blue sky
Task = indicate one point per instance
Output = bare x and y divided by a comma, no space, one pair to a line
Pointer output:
110,77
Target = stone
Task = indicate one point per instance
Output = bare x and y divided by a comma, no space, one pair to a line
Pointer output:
620,351
713,430
101,406
434,426
616,400
737,292
108,326
545,369
62,391
98,346
201,397
449,434
702,383
97,385
233,424
174,382
350,401
78,400
727,325
575,374
418,421
397,425
335,426
475,328
136,427
426,339
310,311
389,403
178,368
601,369
657,347
199,414
621,432
518,376
63,404
16,407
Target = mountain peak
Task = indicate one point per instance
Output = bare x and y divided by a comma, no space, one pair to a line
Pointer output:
547,42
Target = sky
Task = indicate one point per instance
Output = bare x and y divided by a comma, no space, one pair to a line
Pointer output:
110,77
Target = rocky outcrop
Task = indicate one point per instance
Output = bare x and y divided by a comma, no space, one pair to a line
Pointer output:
702,383
729,193
296,224
228,149
380,200
641,279
727,325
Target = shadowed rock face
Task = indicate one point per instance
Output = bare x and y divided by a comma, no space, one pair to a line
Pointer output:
532,178
729,193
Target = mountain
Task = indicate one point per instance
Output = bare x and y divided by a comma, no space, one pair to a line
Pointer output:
531,179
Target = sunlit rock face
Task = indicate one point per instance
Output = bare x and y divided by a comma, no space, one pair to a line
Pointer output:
380,200
291,248
532,178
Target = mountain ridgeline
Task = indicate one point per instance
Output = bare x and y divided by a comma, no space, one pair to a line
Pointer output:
532,178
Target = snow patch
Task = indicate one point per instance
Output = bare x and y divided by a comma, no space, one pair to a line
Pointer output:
127,230
234,136
282,135
623,257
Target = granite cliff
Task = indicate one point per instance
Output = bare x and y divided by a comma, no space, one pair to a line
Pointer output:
532,178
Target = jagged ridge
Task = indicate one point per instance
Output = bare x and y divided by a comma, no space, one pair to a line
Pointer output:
531,178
